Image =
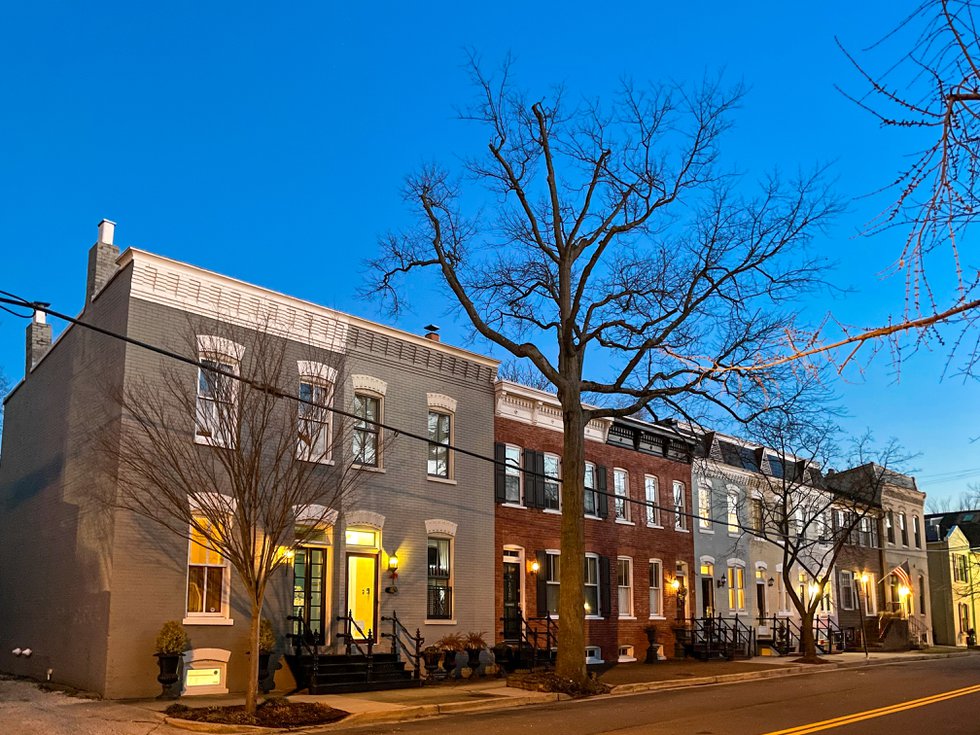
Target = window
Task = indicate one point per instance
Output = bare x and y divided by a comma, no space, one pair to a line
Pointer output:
704,505
553,582
314,419
207,572
367,410
552,484
440,591
593,655
622,492
440,432
922,594
890,527
959,568
732,497
848,593
652,491
512,475
591,497
755,508
964,617
916,532
870,596
903,527
592,585
216,393
680,508
624,581
656,588
736,588
626,654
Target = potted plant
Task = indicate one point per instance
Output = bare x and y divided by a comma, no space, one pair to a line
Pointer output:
474,642
267,646
431,656
652,649
171,643
451,643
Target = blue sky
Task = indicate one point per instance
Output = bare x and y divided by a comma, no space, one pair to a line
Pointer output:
270,142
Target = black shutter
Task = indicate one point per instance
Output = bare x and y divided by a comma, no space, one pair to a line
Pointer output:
533,479
500,473
600,474
605,587
542,592
539,500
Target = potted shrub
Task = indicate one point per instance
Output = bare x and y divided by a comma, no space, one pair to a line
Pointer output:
651,632
451,644
431,656
474,642
267,646
171,643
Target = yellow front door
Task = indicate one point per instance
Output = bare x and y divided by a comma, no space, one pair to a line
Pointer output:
362,585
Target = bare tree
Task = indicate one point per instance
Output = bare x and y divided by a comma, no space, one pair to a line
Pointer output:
4,389
930,86
603,245
221,455
809,515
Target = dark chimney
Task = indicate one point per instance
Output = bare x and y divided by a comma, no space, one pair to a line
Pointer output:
101,260
38,340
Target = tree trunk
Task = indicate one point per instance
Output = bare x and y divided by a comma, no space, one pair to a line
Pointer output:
252,682
808,644
571,604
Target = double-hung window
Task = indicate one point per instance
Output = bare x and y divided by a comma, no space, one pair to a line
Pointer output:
591,496
916,532
552,582
903,528
732,498
848,592
440,434
440,591
651,487
656,588
216,397
367,412
736,588
704,505
592,606
207,572
314,419
512,474
621,489
552,482
680,507
624,581
890,526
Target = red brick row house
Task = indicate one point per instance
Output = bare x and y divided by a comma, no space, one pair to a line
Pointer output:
638,541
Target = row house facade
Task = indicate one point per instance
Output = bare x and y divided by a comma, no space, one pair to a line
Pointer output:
638,541
953,541
91,603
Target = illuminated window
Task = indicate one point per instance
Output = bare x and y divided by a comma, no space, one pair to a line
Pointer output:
592,606
704,505
736,588
207,572
732,497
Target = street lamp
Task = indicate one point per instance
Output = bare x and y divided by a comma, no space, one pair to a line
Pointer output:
864,578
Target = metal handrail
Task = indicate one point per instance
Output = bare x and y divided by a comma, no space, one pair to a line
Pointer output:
305,635
397,631
349,640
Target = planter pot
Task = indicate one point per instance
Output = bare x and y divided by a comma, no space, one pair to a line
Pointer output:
449,662
431,659
169,677
474,657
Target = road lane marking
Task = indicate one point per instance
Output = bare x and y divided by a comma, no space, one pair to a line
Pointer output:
879,712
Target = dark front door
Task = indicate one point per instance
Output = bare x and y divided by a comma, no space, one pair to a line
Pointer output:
760,601
309,575
512,600
708,596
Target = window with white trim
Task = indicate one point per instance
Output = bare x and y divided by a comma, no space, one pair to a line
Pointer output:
314,424
512,474
440,429
732,516
903,528
217,394
552,581
591,584
848,592
656,580
591,497
680,507
704,505
552,482
624,581
890,526
367,433
439,605
593,655
621,490
207,572
916,532
626,654
736,588
651,488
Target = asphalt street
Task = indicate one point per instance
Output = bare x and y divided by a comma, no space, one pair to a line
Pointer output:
938,697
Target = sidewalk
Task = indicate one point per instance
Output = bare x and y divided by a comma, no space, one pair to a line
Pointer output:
445,698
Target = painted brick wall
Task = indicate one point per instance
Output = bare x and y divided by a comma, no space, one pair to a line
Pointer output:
534,529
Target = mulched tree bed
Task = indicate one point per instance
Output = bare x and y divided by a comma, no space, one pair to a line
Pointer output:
548,681
278,712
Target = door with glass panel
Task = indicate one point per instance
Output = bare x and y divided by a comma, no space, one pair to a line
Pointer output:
309,587
362,588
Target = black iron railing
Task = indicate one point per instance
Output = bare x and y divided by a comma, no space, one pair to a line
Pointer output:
439,605
403,641
352,641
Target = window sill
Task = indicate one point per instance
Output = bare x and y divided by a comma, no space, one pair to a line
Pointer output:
513,505
369,468
655,525
706,530
593,517
594,661
624,522
681,530
201,620
443,480
209,442
551,511
627,617
594,617
440,622
325,462
626,659
657,617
